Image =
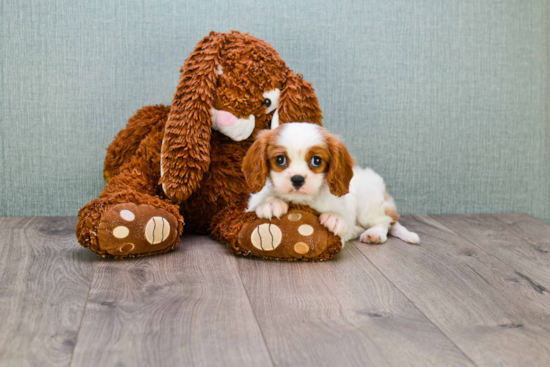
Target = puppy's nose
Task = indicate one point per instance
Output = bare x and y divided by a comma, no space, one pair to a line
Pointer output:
297,181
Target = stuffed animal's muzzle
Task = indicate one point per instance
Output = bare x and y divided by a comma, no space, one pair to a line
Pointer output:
240,129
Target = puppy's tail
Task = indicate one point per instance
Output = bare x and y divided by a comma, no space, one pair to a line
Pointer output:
397,230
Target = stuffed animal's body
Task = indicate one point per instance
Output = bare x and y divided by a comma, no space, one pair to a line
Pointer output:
181,164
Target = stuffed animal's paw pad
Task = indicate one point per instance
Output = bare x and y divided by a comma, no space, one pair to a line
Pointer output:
157,230
301,248
121,232
266,237
305,230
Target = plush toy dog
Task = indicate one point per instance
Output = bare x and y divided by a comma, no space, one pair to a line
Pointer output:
184,160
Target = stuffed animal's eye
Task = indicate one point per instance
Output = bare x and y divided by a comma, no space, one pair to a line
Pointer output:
316,161
280,160
271,100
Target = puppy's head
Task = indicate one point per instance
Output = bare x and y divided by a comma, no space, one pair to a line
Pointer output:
299,158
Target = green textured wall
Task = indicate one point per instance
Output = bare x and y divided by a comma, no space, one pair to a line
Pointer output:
448,100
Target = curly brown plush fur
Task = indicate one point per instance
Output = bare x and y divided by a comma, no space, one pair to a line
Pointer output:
201,168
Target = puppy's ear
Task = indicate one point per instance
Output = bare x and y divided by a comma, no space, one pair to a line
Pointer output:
341,165
185,154
255,166
298,102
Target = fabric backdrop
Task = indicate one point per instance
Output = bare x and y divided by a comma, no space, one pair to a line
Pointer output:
448,100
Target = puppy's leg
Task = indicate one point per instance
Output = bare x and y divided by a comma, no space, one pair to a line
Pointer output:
375,214
375,235
334,223
397,230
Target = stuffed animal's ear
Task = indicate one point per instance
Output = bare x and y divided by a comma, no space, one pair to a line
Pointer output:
185,155
298,102
341,164
255,166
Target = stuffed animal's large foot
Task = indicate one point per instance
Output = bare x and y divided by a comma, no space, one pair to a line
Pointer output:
136,230
297,235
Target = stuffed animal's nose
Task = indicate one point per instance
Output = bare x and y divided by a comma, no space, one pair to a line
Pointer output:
297,181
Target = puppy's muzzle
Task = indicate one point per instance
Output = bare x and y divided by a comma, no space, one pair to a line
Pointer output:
297,181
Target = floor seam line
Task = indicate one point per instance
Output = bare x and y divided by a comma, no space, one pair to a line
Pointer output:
254,314
416,306
83,314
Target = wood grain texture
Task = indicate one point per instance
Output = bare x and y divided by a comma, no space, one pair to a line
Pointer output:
341,313
492,313
44,281
518,240
474,291
183,308
18,222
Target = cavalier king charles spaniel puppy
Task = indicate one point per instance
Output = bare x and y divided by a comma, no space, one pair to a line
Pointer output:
303,164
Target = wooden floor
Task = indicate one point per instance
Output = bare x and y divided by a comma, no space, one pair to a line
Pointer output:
475,292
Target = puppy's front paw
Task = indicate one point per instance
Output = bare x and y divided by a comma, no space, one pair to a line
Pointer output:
275,208
376,235
334,223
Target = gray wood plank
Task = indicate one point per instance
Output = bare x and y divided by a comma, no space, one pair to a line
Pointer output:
518,240
535,231
183,308
17,222
493,314
341,313
45,277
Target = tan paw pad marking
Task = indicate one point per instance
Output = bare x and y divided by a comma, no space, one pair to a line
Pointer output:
294,217
157,230
266,237
301,248
305,230
127,247
121,232
127,215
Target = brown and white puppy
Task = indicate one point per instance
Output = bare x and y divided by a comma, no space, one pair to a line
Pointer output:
303,164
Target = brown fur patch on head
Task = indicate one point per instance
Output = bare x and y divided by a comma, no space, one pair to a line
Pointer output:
341,164
273,151
255,163
322,152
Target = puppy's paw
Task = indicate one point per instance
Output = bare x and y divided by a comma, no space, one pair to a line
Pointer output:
276,208
411,237
375,235
334,223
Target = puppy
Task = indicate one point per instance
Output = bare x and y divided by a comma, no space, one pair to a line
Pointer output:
302,163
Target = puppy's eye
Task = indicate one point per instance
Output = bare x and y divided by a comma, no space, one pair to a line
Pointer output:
280,160
267,102
316,161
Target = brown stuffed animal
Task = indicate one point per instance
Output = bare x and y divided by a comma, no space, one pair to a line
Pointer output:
184,161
